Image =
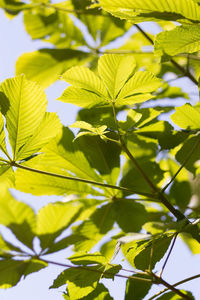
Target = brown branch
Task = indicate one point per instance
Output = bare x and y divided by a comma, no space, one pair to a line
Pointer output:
170,287
175,284
178,214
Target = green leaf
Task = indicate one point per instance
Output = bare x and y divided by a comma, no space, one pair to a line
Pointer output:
46,65
142,82
187,117
24,104
81,97
40,25
19,217
183,153
102,156
182,39
6,178
100,293
115,70
99,223
80,281
172,296
53,219
137,289
130,216
151,168
101,130
48,129
139,253
11,271
147,10
82,77
41,184
2,135
82,258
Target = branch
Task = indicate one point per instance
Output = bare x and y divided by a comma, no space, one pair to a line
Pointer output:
175,284
105,185
178,214
93,270
179,67
170,287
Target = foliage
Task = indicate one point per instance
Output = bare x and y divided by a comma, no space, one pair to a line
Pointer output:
133,174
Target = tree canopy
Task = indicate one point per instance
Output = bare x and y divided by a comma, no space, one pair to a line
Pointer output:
130,162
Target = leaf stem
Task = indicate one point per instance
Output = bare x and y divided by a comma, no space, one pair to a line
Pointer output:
179,67
105,185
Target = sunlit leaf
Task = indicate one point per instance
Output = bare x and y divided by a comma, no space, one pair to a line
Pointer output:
46,65
23,104
115,71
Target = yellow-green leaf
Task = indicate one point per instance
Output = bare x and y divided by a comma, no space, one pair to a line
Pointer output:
82,77
24,104
115,70
48,129
182,39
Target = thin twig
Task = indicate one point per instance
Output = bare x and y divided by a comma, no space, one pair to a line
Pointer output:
168,255
183,165
93,270
179,67
105,185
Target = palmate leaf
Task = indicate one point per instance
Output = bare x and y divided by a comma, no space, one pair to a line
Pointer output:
53,219
182,39
116,83
90,130
46,65
19,217
11,271
147,10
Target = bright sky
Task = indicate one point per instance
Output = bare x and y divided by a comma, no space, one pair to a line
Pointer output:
14,42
